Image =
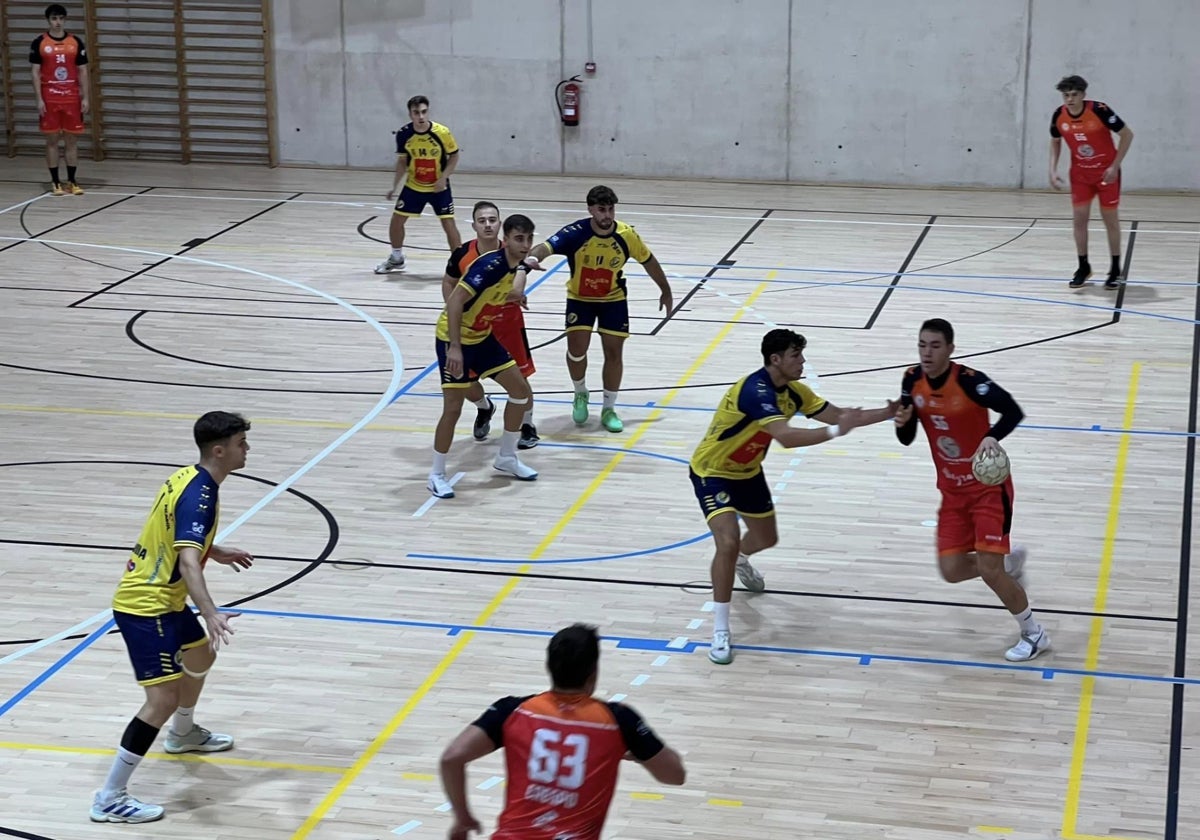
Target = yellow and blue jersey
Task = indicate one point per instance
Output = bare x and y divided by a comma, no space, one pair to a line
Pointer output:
489,280
737,440
428,153
597,261
183,516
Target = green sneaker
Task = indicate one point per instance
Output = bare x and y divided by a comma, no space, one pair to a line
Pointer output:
610,420
579,409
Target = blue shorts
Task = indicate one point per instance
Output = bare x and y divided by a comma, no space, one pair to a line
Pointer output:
612,316
744,496
487,358
412,202
156,643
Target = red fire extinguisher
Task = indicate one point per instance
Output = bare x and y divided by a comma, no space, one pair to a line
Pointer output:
567,97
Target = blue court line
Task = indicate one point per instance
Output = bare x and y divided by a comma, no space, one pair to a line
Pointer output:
641,643
564,561
224,533
57,666
1094,428
594,559
1187,284
432,366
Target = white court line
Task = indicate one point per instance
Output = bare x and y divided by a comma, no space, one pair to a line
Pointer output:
488,784
23,203
407,827
383,402
370,204
695,624
433,500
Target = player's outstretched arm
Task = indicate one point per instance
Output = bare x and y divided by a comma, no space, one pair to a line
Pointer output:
832,414
793,437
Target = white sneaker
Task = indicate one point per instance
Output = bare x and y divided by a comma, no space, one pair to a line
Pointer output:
1014,564
721,649
439,486
1029,647
198,740
390,266
123,808
512,465
750,577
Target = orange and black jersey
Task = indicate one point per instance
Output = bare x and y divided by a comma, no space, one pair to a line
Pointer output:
953,409
1088,135
60,60
562,753
462,257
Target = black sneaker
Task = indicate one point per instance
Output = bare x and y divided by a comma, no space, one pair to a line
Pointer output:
1113,281
483,421
1081,276
529,436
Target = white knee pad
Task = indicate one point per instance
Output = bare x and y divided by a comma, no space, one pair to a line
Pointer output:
196,675
523,401
576,358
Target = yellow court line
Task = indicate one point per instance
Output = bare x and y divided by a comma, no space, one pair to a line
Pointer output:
207,758
1088,684
993,829
650,796
385,735
726,803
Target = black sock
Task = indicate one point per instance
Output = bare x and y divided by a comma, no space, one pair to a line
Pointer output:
54,177
1115,271
71,173
139,736
1083,261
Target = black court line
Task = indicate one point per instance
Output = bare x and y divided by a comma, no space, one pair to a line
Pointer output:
74,219
1133,229
654,584
1175,744
525,199
187,246
726,261
12,832
887,294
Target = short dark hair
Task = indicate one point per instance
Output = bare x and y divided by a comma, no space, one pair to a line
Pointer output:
572,656
939,325
417,100
216,426
56,9
519,223
1067,83
780,341
601,196
479,205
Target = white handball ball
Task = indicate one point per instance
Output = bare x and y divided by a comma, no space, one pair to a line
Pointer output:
991,469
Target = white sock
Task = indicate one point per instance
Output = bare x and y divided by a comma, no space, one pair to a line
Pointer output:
527,420
181,724
721,617
610,398
508,443
743,558
1029,625
397,254
118,775
580,386
483,403
439,463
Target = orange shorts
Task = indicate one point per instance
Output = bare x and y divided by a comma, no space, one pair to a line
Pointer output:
62,116
509,329
975,520
1085,185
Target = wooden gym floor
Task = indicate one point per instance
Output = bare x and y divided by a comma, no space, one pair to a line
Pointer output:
868,699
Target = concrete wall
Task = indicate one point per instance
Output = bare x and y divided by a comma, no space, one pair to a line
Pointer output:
940,92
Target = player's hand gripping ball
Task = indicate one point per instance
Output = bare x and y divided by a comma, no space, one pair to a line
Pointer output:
991,468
